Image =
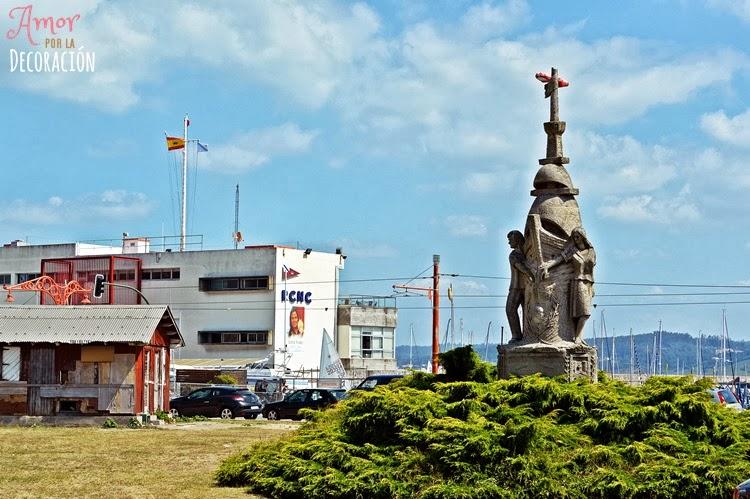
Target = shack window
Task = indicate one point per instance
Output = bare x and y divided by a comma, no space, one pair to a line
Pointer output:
10,363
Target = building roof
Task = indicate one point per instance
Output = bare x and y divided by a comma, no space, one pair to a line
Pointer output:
87,324
211,363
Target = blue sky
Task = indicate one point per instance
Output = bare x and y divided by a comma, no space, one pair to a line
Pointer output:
398,130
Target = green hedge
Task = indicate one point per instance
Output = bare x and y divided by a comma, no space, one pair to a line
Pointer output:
524,437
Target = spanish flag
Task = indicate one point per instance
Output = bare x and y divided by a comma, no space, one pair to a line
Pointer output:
174,143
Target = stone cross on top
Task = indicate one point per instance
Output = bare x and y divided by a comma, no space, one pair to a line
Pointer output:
554,128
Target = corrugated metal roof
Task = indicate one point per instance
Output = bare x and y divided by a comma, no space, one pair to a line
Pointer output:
86,324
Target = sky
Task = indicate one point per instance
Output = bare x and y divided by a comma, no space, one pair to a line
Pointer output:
399,130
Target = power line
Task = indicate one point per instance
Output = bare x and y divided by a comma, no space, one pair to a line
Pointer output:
671,303
643,284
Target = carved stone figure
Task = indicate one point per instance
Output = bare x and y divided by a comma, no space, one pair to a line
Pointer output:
554,273
579,252
520,275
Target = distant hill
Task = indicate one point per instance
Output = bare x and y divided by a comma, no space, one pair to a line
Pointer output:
675,346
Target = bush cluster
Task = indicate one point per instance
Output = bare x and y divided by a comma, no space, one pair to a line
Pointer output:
524,437
224,379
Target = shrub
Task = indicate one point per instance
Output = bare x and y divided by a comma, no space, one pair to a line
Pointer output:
525,437
464,364
135,423
164,416
110,423
224,379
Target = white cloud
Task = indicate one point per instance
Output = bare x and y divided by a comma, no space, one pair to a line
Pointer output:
469,286
296,47
108,205
481,182
487,20
734,130
612,96
647,208
466,225
255,148
739,8
440,89
620,164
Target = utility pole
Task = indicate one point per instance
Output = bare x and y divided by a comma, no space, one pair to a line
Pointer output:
433,294
435,312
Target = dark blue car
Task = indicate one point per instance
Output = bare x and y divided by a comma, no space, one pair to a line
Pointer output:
225,402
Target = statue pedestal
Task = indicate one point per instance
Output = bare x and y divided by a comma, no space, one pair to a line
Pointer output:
559,359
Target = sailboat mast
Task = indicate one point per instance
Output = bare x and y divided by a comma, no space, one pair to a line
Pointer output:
487,341
660,351
723,345
411,344
183,203
632,355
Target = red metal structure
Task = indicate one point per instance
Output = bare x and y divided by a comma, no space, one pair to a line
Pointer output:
47,287
115,269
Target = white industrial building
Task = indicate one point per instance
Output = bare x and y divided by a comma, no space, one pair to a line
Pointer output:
261,302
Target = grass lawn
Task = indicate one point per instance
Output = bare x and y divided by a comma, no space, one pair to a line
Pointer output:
149,462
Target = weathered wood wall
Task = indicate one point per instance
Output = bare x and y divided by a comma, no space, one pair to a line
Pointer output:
41,372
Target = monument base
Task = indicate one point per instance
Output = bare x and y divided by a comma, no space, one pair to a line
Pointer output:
561,359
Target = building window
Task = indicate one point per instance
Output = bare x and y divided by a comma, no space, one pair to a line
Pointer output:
232,337
160,274
4,278
125,275
372,346
26,277
249,283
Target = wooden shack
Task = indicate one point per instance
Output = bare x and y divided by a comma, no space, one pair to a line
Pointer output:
88,359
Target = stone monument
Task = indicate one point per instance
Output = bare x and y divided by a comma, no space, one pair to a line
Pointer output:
552,270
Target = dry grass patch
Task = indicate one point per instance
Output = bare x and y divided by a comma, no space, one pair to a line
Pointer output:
96,462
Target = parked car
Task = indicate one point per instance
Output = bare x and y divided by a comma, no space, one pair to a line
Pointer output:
742,490
339,393
312,398
225,402
370,382
725,397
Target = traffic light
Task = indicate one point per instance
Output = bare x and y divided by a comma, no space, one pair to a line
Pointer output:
98,286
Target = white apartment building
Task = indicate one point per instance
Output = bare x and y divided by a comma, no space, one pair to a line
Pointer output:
260,302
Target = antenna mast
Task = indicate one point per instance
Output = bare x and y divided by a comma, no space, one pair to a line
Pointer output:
183,204
236,215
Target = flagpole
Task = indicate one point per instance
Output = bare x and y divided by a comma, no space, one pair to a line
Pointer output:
183,214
